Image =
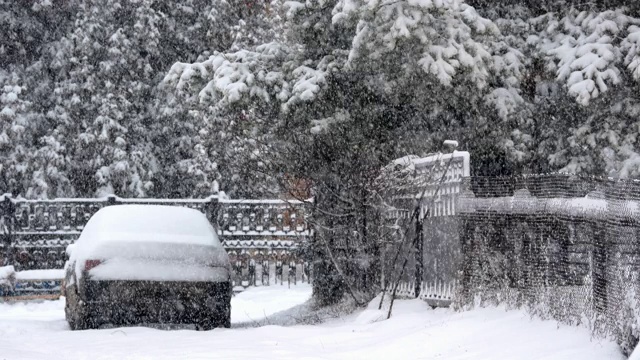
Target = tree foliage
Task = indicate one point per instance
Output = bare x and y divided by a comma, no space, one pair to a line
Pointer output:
153,98
354,84
84,111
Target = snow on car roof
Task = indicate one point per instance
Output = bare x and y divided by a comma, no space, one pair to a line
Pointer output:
158,223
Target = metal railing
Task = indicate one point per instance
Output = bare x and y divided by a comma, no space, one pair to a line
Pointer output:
265,239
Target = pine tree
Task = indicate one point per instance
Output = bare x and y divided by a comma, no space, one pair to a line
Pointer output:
16,133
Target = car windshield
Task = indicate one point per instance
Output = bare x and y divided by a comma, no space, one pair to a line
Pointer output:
150,223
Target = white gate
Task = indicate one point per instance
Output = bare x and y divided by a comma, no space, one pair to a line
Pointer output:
441,248
428,172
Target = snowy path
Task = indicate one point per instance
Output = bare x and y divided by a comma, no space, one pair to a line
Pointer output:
38,331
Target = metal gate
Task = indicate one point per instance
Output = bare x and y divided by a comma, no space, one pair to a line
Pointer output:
437,258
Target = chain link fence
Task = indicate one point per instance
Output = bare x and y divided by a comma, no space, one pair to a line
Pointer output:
564,247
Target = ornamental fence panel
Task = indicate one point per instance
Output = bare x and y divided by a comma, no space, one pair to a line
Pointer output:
265,239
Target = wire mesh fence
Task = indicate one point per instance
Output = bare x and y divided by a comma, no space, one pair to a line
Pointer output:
565,247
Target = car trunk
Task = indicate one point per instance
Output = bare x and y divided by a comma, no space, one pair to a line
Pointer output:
155,302
156,261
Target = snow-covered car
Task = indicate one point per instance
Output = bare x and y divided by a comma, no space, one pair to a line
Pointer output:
139,264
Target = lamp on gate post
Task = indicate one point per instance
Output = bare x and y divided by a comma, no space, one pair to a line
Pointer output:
449,145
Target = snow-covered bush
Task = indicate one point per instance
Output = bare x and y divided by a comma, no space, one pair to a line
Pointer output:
7,279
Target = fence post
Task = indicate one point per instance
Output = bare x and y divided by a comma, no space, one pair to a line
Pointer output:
111,200
466,214
7,212
467,229
599,255
599,271
214,211
419,256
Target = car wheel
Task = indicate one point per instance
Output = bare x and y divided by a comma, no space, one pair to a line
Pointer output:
205,325
83,321
218,316
70,307
224,316
76,313
68,314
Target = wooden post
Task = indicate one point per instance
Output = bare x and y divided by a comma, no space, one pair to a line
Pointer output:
7,216
419,256
599,270
561,229
466,214
252,272
599,258
265,272
292,272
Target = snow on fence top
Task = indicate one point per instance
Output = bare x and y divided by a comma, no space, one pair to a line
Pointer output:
279,202
427,173
557,194
460,166
41,275
112,198
578,207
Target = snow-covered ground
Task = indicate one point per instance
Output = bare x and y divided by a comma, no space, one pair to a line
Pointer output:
39,331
